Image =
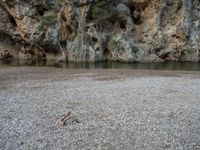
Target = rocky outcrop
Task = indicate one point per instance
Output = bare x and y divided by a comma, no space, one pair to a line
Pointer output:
100,30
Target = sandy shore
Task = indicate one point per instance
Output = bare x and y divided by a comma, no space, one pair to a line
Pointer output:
110,109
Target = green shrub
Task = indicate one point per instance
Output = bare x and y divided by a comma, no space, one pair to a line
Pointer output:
190,50
135,49
117,46
72,36
101,8
58,4
98,9
48,20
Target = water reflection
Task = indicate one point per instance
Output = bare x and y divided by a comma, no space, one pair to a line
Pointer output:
103,65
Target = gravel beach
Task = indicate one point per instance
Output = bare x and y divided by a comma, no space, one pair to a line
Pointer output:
109,109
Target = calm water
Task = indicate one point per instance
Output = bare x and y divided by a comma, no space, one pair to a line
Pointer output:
104,65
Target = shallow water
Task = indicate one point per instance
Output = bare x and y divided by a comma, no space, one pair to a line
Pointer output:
103,65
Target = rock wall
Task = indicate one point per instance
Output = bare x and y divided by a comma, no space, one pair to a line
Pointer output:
100,30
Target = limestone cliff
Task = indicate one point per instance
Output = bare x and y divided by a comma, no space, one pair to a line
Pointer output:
99,30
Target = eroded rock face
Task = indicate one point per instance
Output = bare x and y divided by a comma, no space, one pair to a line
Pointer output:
99,30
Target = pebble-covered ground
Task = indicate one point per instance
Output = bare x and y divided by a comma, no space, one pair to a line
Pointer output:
110,109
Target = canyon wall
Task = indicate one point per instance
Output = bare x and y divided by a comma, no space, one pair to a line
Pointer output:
100,30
